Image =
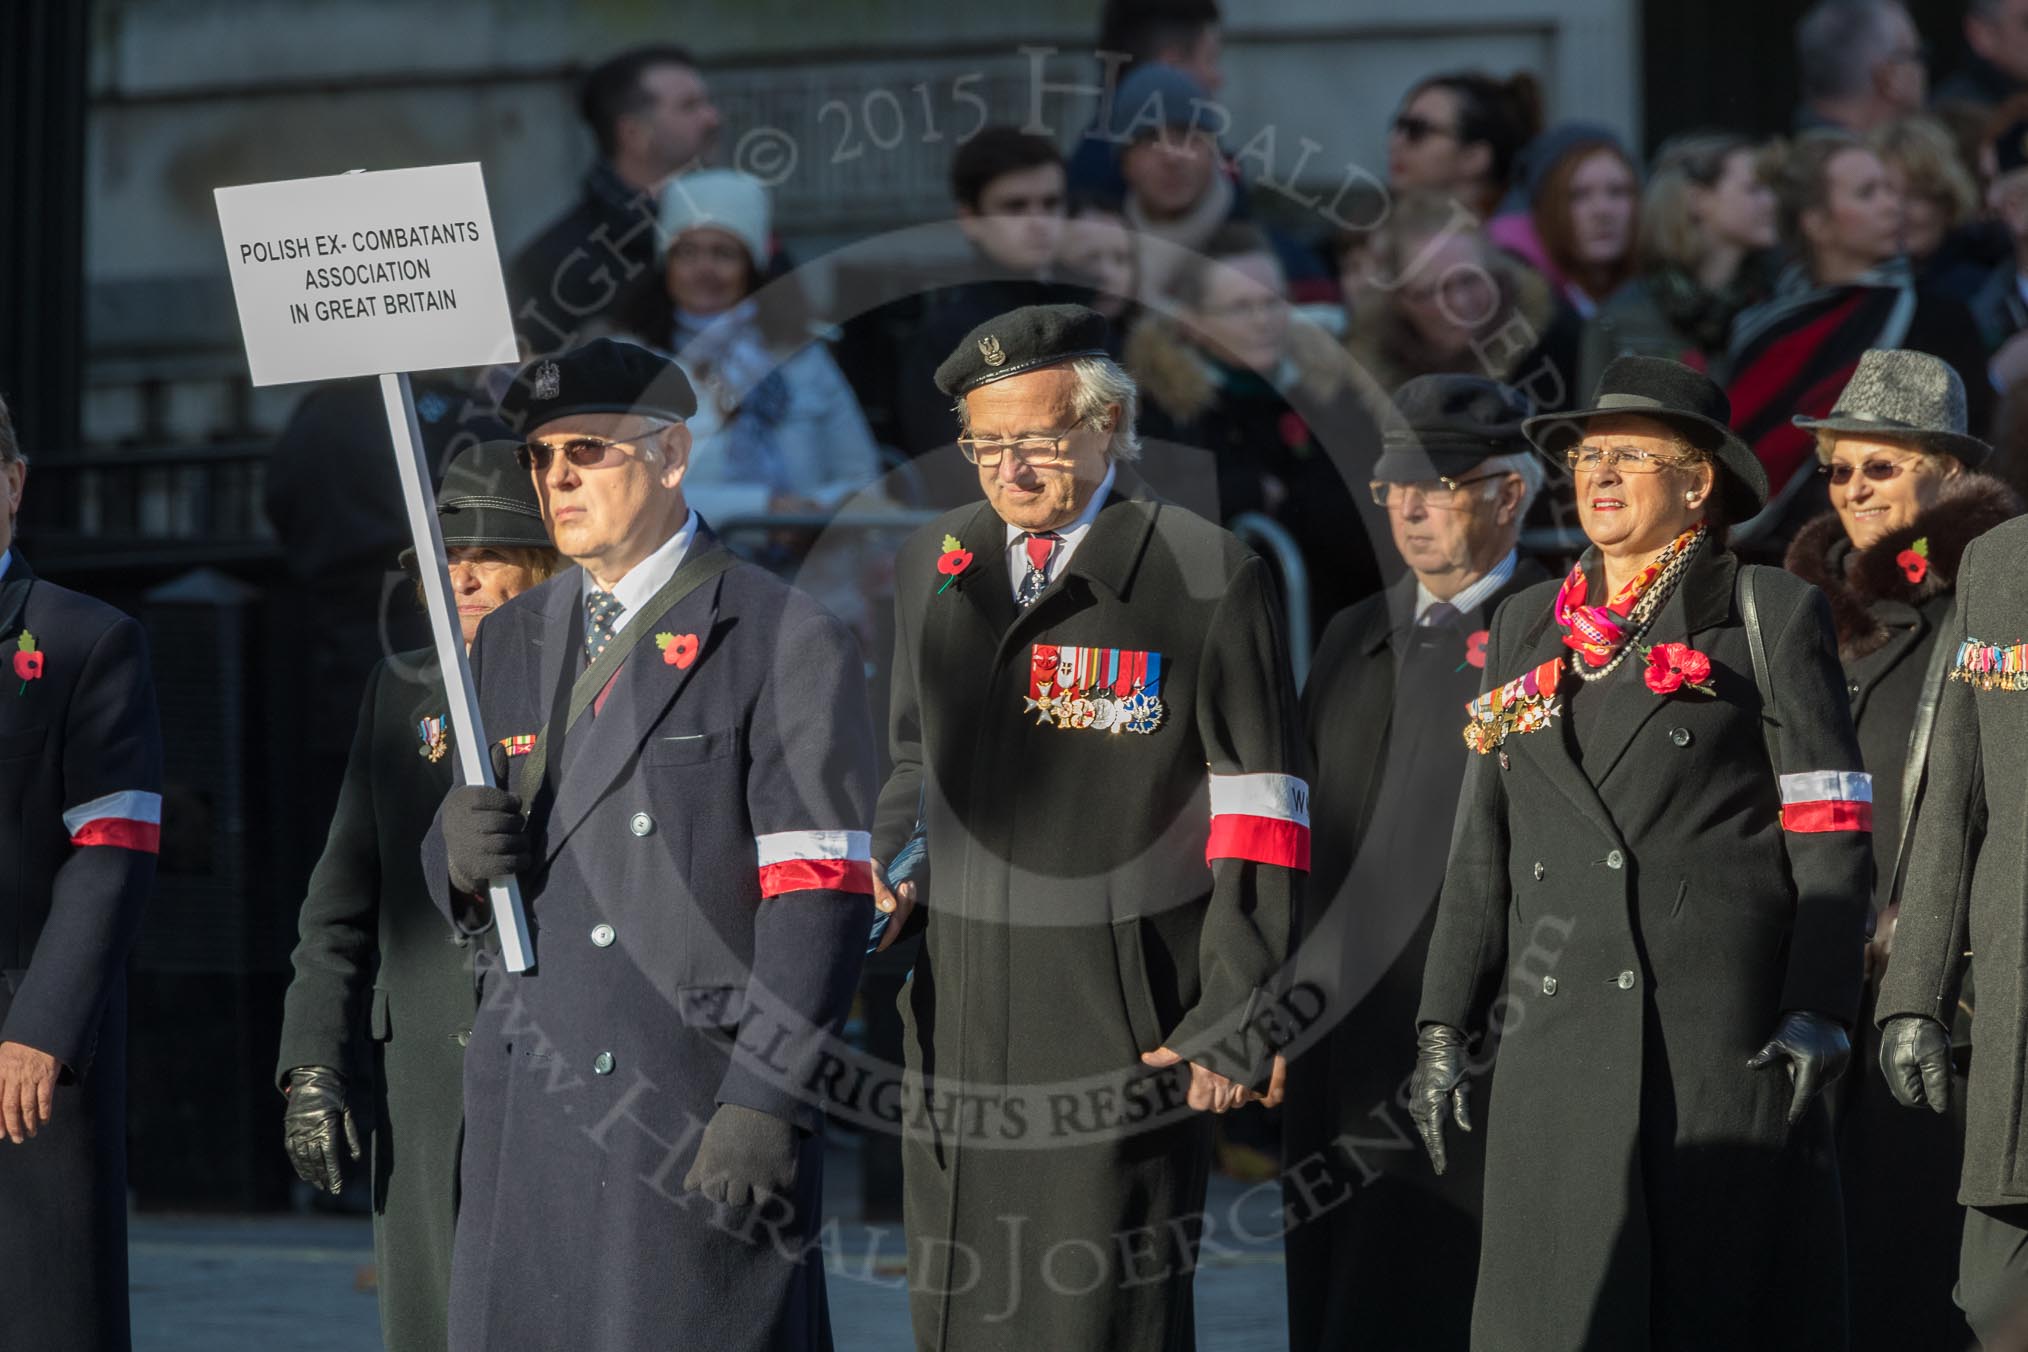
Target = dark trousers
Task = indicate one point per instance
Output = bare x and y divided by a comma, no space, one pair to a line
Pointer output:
1993,1274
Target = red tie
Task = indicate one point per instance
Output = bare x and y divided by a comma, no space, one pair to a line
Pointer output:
1040,547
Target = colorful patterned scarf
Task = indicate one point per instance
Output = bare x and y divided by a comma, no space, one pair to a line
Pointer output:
1595,633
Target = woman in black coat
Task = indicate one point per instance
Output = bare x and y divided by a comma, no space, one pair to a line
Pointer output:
375,956
1906,502
1656,901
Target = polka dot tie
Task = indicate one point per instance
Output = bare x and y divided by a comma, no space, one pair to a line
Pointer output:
602,611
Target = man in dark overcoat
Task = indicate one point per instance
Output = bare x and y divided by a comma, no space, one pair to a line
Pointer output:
1093,727
1381,715
375,956
642,1161
1967,873
1656,898
80,827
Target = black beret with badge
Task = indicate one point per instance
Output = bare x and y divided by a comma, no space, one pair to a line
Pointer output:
605,375
1026,339
1443,426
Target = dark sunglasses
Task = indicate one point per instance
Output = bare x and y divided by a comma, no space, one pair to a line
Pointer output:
1413,129
583,452
1878,471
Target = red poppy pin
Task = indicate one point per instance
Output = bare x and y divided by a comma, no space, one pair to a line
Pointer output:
1475,650
1677,666
1914,560
27,661
1294,431
678,650
954,560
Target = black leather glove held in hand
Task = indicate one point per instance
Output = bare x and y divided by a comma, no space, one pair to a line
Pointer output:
313,1125
1915,1056
744,1156
484,834
1439,1075
1816,1049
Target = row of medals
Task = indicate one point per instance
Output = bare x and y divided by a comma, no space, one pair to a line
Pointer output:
1139,712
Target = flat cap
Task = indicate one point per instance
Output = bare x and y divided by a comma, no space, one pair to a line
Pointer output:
606,375
1441,426
488,500
1026,339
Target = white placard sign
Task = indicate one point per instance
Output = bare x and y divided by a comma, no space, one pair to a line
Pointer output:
379,275
363,274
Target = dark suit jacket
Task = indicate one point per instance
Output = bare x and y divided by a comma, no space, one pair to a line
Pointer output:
1088,899
1967,871
80,812
703,881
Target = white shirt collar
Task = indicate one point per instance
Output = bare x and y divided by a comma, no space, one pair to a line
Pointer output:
1473,596
647,577
6,562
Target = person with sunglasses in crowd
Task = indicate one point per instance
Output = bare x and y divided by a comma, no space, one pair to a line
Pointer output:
698,780
1461,134
1906,498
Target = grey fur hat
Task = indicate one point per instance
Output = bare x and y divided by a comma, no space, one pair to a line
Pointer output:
1902,396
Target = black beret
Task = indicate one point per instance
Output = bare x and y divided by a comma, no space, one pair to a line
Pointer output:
1022,340
2010,147
487,499
1442,426
604,376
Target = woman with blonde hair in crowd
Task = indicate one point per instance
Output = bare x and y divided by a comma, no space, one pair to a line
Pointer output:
1949,247
1848,288
1706,253
1440,299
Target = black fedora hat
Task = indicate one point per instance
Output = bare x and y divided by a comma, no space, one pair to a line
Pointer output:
1672,393
488,501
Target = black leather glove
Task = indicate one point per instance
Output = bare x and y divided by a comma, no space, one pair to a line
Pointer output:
484,834
745,1155
1915,1056
313,1125
1816,1049
1439,1075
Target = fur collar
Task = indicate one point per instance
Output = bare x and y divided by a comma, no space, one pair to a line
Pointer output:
1178,380
1382,346
1854,580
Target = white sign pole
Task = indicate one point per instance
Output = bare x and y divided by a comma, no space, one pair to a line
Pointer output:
467,733
365,274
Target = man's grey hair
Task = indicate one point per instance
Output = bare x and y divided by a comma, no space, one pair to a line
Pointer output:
1840,42
10,447
1534,474
1101,383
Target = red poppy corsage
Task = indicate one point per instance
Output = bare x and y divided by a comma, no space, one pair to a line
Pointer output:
27,660
954,560
678,650
1677,666
1294,431
1475,650
1914,560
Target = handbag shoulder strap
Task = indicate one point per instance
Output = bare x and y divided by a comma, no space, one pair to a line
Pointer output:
1756,649
1920,732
